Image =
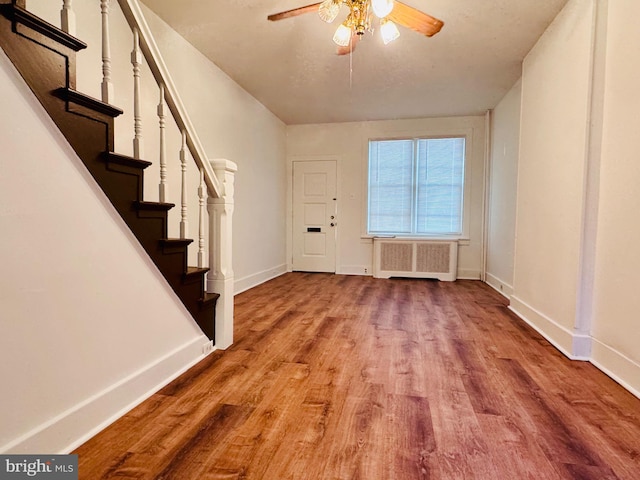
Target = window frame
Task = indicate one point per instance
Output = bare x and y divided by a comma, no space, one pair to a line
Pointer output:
466,134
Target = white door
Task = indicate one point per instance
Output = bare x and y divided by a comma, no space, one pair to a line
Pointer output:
314,216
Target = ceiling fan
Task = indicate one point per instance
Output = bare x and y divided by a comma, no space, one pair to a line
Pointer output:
359,19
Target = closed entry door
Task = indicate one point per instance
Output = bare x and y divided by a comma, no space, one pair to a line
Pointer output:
314,216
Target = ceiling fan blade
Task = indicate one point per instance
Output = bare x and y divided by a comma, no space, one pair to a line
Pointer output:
349,48
295,12
413,19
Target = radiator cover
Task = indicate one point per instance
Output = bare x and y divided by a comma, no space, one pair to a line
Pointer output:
415,258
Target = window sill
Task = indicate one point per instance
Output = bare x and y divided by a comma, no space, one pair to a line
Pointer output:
462,241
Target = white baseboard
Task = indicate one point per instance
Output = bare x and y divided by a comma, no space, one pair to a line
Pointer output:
468,274
255,279
574,345
366,270
75,426
609,360
498,285
578,346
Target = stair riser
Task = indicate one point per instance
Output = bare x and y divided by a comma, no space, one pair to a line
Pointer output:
44,71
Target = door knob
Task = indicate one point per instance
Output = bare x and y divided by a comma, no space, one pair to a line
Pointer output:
332,224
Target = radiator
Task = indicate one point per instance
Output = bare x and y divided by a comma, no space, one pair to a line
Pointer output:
397,257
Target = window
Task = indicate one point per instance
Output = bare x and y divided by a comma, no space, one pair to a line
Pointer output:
416,186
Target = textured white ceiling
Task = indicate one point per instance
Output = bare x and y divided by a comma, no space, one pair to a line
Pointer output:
291,67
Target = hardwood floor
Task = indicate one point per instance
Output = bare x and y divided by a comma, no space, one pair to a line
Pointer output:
344,377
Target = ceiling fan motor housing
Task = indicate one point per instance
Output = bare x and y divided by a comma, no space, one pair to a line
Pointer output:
360,15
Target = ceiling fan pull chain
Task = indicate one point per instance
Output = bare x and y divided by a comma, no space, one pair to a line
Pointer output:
350,62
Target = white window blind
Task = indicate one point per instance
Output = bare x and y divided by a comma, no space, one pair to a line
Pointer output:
416,186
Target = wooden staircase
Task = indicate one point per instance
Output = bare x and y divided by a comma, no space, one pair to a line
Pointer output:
45,56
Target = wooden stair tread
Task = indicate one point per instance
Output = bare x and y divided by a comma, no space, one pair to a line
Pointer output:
71,95
209,298
196,271
153,206
18,14
176,242
125,160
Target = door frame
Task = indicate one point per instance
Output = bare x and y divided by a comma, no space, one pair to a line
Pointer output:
289,208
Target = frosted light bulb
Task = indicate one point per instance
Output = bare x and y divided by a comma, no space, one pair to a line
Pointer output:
382,8
342,36
389,31
329,10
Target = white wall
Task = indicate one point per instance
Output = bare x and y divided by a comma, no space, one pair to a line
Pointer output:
89,326
231,124
616,303
501,228
551,175
577,228
348,144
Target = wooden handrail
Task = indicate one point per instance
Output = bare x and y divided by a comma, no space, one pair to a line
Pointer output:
136,20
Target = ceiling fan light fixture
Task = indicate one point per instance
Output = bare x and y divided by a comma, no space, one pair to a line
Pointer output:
359,19
389,31
328,10
342,37
382,8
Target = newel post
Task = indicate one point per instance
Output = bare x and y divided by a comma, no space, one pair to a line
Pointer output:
220,277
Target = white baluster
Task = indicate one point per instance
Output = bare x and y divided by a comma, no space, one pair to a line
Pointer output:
184,224
136,61
68,18
107,85
202,190
163,193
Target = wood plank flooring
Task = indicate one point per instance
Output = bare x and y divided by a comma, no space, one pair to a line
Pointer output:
343,377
